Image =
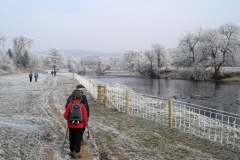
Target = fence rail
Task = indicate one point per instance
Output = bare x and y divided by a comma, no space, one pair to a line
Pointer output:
215,125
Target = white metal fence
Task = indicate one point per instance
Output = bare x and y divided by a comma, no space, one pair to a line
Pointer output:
215,125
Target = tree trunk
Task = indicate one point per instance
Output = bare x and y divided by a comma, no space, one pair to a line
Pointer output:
216,72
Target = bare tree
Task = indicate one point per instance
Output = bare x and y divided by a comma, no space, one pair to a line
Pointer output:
159,50
188,49
230,43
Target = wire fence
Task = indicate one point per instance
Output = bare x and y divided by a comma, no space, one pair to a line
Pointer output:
216,125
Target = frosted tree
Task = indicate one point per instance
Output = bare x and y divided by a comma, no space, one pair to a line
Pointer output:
189,54
54,58
9,53
161,57
150,58
208,50
41,58
6,64
35,62
2,40
21,44
129,59
70,63
86,64
222,47
102,64
74,65
81,68
138,60
188,48
24,60
116,63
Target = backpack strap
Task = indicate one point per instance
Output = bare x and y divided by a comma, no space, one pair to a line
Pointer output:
76,103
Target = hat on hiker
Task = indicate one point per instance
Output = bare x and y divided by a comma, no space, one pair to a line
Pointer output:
80,86
77,94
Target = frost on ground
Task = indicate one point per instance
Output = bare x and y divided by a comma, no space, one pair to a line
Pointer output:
31,130
127,137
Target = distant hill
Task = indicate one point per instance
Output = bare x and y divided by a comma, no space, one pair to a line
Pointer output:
82,53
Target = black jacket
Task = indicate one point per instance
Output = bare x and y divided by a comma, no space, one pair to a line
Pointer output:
83,100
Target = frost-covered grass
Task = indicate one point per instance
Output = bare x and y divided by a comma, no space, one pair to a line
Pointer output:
28,125
128,137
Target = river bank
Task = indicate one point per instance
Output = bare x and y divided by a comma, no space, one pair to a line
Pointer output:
226,76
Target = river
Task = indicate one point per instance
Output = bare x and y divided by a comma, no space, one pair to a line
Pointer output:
217,95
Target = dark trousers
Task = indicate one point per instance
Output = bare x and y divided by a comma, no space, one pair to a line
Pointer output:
30,79
75,137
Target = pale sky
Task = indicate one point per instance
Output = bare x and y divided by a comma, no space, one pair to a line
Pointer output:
111,25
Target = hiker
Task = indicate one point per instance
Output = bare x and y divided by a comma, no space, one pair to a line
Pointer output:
30,76
36,76
84,101
52,73
75,129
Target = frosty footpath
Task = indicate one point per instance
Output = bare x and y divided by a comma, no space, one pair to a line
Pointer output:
32,127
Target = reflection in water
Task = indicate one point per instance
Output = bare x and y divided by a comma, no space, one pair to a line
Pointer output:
217,86
220,96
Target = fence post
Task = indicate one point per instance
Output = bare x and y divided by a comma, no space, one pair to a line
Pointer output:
170,112
127,102
105,96
99,96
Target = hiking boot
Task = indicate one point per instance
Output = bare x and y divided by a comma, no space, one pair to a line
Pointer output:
71,154
77,155
83,142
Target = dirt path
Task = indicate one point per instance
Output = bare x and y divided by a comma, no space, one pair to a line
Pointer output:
55,110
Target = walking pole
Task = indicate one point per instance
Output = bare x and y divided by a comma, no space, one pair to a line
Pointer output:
64,140
88,133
